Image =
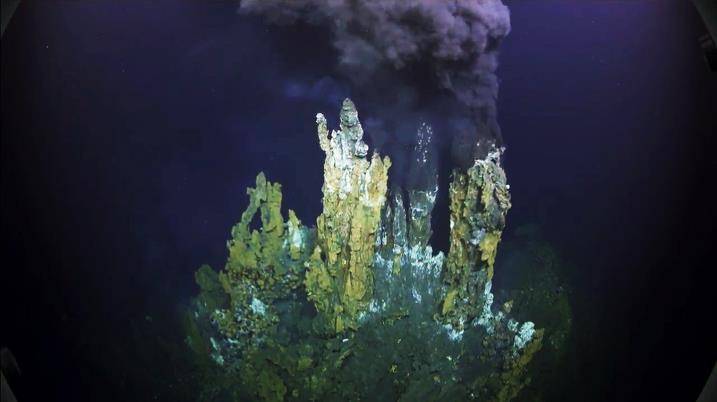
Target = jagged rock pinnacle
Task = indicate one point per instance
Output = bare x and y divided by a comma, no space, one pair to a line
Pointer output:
339,276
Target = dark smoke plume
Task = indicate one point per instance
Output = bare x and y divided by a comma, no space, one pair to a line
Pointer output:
413,60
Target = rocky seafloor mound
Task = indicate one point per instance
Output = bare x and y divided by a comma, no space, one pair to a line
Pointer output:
359,306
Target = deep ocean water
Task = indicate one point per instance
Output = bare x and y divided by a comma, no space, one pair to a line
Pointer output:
131,131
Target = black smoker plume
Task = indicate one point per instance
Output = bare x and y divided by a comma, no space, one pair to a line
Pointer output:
411,62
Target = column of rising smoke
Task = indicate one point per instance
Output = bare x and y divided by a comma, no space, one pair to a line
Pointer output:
382,43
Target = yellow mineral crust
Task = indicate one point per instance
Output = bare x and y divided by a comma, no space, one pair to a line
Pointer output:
339,277
263,264
479,201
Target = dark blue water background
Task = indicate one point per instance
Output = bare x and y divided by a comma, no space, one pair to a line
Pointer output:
130,132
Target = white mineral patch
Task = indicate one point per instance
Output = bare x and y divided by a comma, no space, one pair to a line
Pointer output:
373,306
486,317
452,333
296,239
257,306
477,237
360,149
416,296
524,335
217,357
379,260
345,186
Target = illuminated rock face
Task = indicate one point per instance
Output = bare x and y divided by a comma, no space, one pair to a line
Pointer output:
375,282
339,277
479,201
264,265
